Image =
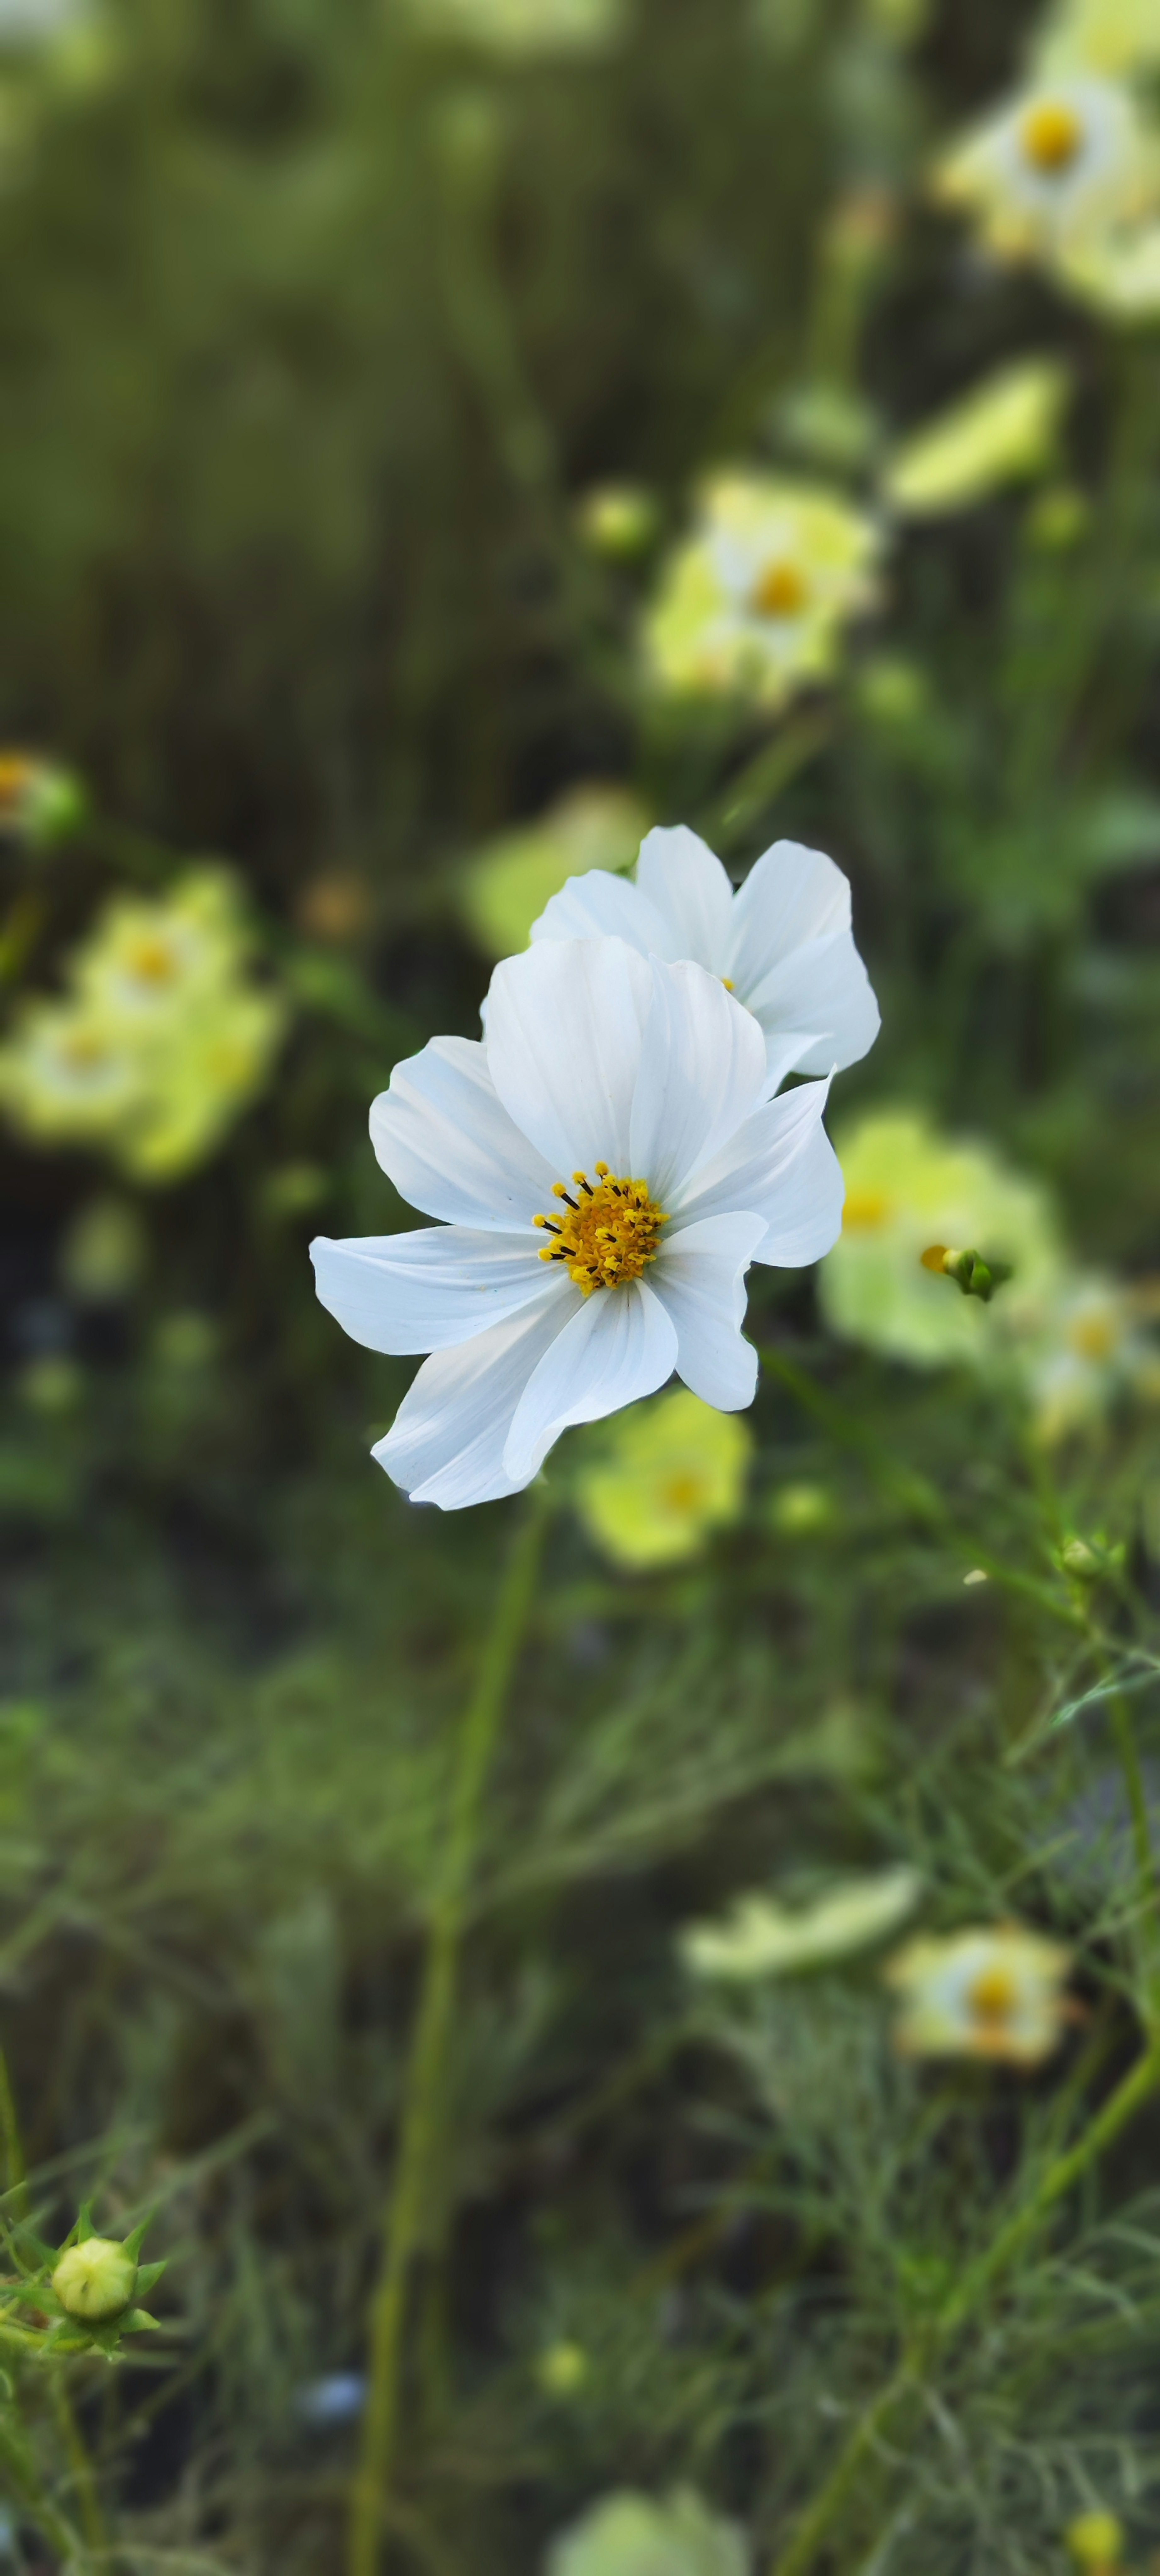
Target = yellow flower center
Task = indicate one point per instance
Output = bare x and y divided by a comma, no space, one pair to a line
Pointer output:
993,1994
864,1211
152,960
609,1233
780,590
683,1493
15,780
1093,1336
82,1050
1052,136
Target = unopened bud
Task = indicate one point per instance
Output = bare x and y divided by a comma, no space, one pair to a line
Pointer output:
1076,1557
1096,2542
563,2369
620,520
95,2280
39,802
974,1276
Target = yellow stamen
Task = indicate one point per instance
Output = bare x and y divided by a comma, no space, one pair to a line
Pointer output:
1093,1336
993,1995
934,1257
864,1211
608,1235
152,960
728,983
1052,136
780,590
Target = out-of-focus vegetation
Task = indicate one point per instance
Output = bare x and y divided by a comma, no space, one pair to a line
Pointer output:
437,442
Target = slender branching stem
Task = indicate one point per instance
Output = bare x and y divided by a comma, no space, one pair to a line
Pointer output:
426,2074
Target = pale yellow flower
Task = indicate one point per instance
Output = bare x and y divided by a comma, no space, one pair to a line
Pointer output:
1066,159
639,2535
505,888
907,1188
1081,1349
759,1938
1114,39
67,1075
756,597
1118,272
515,27
147,959
995,1992
672,1471
1003,431
214,1066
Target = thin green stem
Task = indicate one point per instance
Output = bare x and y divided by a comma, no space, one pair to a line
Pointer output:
423,2101
76,2448
24,2485
802,2549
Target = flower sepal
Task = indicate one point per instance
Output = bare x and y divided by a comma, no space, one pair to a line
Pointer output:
972,1275
89,2288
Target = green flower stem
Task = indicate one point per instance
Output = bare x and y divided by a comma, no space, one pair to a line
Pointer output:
22,2484
914,1492
426,2074
1060,2177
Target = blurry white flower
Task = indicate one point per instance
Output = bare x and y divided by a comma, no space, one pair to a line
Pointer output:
996,1992
612,1125
756,597
759,1938
1118,272
638,2535
1052,167
672,1473
1083,1349
1003,431
783,943
516,27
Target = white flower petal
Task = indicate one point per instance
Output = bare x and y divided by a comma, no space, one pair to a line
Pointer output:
449,1145
700,1280
429,1290
792,894
782,1166
446,1444
620,1346
681,875
601,906
702,1072
821,987
564,1028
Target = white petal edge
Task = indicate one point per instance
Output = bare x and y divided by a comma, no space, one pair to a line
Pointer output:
700,1280
446,1444
565,1022
782,1166
685,880
448,1144
622,1345
601,906
791,895
702,1073
823,987
429,1290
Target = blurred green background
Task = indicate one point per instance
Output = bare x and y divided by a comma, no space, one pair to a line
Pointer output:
322,322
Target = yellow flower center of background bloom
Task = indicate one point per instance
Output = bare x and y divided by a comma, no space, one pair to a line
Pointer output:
1052,136
1093,1336
607,1233
683,1493
780,590
992,1995
82,1049
864,1211
152,960
15,780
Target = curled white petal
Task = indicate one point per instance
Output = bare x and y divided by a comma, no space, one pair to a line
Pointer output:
448,1144
601,906
782,1166
446,1444
620,1346
565,1022
702,1071
429,1290
823,986
680,875
700,1281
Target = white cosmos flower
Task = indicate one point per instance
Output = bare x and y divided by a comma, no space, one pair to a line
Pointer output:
783,943
607,1166
1053,167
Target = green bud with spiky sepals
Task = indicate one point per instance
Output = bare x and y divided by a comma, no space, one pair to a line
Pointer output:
973,1276
95,2281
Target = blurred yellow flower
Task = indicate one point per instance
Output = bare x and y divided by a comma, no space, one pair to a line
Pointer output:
505,888
994,1992
755,599
1118,272
1115,39
1082,1348
672,1471
760,1938
1052,168
1096,2542
516,27
160,1040
1003,431
907,1187
639,2535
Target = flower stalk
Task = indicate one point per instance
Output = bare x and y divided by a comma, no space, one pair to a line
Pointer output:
405,2216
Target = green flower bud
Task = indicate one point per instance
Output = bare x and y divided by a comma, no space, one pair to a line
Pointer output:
1096,2541
95,2280
562,2369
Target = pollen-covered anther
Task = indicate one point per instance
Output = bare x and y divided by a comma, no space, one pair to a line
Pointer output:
608,1234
